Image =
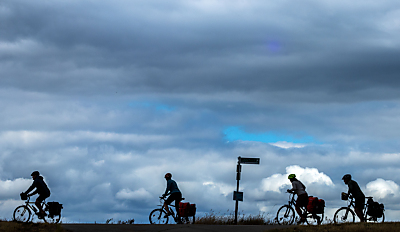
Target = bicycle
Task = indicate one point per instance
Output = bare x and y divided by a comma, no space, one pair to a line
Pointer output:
286,214
346,214
23,213
157,216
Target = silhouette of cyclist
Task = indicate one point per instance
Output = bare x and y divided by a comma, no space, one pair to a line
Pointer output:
359,197
173,192
41,189
302,196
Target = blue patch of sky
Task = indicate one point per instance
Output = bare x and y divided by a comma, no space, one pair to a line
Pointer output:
152,105
235,133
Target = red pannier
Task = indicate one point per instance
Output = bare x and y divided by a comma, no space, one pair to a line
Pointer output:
312,204
192,210
186,209
320,207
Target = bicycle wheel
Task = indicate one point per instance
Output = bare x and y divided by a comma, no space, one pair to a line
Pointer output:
285,215
52,218
314,219
344,215
188,220
374,219
22,214
157,217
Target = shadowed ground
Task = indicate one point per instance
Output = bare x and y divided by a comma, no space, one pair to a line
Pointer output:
169,228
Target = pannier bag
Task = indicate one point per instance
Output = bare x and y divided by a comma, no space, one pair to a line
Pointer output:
192,210
320,207
54,208
184,209
312,204
375,209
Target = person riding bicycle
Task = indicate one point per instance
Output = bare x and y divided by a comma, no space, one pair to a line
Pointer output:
174,194
302,196
359,197
41,189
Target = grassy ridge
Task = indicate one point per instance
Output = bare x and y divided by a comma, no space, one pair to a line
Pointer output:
30,227
229,219
351,227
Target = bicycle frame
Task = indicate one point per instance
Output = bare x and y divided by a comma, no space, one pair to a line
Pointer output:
32,206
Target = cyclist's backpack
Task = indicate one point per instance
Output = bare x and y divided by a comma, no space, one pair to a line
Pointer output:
320,207
192,210
184,209
312,204
54,208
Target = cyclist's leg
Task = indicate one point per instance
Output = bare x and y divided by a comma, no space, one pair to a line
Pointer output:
302,201
166,203
178,198
359,207
38,203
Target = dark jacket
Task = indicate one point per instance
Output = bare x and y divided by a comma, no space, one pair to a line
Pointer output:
41,187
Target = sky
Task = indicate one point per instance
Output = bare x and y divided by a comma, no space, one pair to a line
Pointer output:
105,97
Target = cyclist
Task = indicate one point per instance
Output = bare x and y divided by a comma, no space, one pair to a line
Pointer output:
174,194
359,197
41,189
302,196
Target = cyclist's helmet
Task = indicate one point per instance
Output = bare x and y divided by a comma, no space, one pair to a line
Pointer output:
291,176
168,175
35,173
346,177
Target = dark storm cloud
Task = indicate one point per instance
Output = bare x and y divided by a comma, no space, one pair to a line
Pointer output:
163,47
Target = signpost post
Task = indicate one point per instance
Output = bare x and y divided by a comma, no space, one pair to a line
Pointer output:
238,196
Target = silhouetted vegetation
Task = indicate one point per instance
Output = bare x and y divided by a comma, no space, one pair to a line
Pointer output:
229,219
11,226
350,227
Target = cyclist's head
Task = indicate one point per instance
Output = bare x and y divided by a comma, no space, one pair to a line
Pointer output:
35,173
292,176
168,176
346,177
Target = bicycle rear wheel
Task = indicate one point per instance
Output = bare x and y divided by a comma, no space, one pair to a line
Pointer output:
52,218
344,215
188,220
22,214
285,215
157,216
374,219
314,219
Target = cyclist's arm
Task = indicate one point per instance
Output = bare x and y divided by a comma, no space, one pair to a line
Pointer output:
168,189
31,188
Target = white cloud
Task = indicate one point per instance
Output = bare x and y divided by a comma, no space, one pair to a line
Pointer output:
381,189
137,195
306,175
12,188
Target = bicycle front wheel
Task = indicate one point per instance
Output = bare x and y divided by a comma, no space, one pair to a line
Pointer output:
22,214
157,216
344,215
285,215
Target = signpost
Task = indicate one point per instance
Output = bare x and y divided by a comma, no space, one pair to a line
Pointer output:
238,196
